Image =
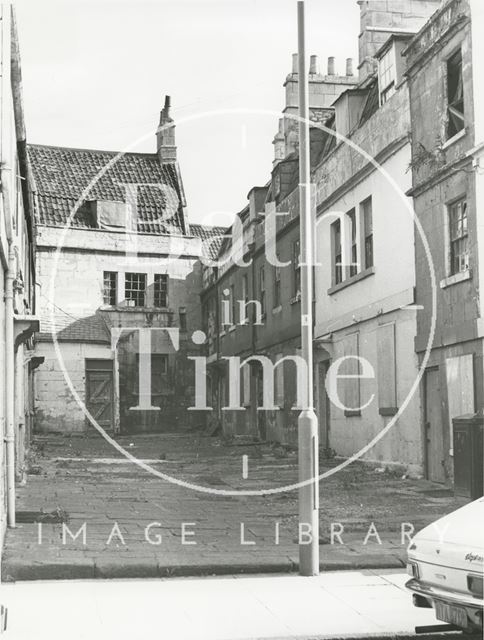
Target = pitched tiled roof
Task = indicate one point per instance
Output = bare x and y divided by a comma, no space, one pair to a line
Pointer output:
90,329
212,238
63,174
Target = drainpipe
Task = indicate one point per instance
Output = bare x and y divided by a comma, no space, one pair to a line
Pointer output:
9,384
5,176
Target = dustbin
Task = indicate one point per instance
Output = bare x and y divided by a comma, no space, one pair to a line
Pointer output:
468,455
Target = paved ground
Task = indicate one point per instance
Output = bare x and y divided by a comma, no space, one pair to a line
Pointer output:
87,483
340,604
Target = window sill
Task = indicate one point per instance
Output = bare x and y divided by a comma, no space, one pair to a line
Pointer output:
277,310
455,279
349,281
122,307
231,328
448,143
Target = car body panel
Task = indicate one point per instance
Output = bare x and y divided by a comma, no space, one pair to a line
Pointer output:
446,554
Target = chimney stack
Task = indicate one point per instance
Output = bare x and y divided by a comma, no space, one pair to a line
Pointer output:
295,68
313,65
165,135
331,66
349,66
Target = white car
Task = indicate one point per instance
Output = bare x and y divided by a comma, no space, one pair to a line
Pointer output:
446,562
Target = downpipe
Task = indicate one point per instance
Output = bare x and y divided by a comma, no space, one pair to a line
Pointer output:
10,275
10,386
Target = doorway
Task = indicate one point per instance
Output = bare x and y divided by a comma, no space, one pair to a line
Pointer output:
99,391
434,427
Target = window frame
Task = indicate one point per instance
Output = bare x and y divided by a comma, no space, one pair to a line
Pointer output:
385,91
262,290
159,291
451,128
365,235
129,291
277,301
113,288
337,252
462,200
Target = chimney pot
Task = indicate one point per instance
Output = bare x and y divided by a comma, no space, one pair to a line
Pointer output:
331,66
313,65
294,63
349,66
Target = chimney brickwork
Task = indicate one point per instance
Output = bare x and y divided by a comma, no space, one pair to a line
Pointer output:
165,135
379,19
323,91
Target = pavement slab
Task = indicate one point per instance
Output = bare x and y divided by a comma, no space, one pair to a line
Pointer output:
98,514
350,604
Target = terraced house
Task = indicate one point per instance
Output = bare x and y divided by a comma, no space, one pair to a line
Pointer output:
119,282
254,310
17,277
446,100
371,295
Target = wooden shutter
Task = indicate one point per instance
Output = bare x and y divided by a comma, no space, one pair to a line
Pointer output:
387,367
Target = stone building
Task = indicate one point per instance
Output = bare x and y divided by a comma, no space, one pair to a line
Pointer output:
365,316
254,310
117,265
17,276
445,83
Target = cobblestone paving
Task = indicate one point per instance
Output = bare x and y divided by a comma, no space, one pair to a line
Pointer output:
86,482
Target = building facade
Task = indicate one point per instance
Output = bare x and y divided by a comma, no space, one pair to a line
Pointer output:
447,137
367,372
17,277
367,310
119,285
250,302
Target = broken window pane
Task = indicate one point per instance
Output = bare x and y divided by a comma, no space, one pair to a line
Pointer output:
455,95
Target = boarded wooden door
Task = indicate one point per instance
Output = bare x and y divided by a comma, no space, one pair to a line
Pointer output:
99,391
434,427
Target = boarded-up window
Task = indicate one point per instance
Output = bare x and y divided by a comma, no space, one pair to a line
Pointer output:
460,387
279,381
386,362
351,367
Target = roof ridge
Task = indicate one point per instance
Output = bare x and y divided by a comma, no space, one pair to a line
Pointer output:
114,153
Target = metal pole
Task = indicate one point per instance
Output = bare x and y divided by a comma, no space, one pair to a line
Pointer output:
307,422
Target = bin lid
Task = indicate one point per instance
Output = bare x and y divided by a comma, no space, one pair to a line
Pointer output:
477,418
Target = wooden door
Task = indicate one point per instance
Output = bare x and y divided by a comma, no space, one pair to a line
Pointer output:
99,391
434,427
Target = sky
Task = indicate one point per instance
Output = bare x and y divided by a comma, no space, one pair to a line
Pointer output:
95,75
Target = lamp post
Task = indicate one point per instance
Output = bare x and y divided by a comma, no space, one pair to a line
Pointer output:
307,421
